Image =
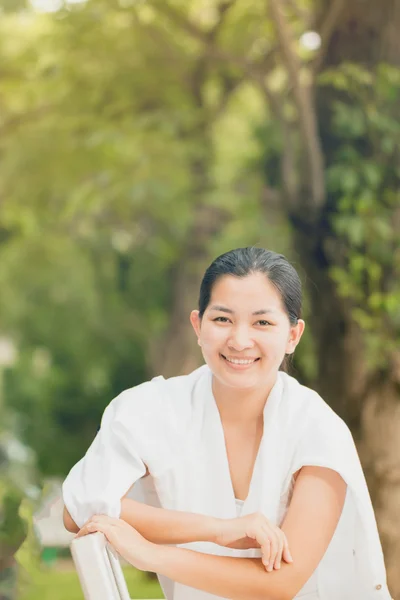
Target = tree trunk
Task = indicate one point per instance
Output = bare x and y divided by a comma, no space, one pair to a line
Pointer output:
380,451
341,373
365,33
178,353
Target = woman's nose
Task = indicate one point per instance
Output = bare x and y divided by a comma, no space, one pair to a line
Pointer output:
240,340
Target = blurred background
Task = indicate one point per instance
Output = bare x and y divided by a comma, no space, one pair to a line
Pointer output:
139,139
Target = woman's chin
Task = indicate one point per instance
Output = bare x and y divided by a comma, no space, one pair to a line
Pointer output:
239,380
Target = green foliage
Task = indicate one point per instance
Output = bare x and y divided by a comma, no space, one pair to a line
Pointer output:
365,178
28,555
17,537
83,339
13,528
115,128
120,119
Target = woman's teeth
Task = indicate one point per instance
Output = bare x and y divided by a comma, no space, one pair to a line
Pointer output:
237,361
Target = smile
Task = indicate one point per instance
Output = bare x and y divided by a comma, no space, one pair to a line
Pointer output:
242,362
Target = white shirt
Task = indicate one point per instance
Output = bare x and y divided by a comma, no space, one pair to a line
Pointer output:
173,427
239,506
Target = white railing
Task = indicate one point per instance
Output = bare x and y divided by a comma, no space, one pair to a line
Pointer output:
98,568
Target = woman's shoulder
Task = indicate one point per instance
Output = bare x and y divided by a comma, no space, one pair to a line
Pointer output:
157,396
307,406
316,434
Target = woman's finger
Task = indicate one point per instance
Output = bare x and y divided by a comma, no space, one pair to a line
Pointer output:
287,557
278,558
92,526
265,545
105,519
103,527
84,530
266,552
274,549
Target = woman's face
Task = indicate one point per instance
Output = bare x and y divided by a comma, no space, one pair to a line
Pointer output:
245,332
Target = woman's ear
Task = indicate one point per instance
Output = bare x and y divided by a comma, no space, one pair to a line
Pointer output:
196,322
296,331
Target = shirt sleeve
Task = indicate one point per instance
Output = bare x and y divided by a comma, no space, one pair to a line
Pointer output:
113,462
326,441
327,444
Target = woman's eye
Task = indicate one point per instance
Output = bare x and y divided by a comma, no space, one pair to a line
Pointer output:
262,322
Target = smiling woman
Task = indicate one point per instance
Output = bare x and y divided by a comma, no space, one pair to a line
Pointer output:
231,333
250,473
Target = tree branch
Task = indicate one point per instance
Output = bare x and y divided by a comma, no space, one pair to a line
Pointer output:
180,19
305,106
24,118
223,9
288,164
299,12
254,69
229,85
326,30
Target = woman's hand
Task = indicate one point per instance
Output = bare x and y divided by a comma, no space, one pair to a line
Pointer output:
255,531
124,539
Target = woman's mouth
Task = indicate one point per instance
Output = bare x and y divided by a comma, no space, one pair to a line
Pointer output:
239,363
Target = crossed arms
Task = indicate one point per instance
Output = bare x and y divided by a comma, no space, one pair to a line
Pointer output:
314,511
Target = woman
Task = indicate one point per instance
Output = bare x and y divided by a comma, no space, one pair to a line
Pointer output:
257,480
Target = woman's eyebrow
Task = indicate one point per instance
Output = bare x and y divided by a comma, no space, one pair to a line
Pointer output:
262,311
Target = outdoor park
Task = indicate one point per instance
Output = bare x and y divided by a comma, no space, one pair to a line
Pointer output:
139,140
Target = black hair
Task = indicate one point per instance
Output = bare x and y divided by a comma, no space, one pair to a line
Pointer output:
242,262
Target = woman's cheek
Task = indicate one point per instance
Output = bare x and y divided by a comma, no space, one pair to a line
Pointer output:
213,338
272,345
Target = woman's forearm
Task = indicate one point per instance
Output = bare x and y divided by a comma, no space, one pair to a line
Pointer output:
234,578
162,526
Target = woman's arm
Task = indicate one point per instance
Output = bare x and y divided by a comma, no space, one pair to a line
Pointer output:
314,512
163,526
234,578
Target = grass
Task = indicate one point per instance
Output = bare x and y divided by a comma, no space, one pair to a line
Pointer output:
51,584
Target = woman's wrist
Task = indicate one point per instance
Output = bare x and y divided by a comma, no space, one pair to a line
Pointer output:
157,557
159,553
212,529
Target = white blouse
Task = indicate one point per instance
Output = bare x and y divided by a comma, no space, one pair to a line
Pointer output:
239,506
173,428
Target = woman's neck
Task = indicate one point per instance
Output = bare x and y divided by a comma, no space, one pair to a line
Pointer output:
241,405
